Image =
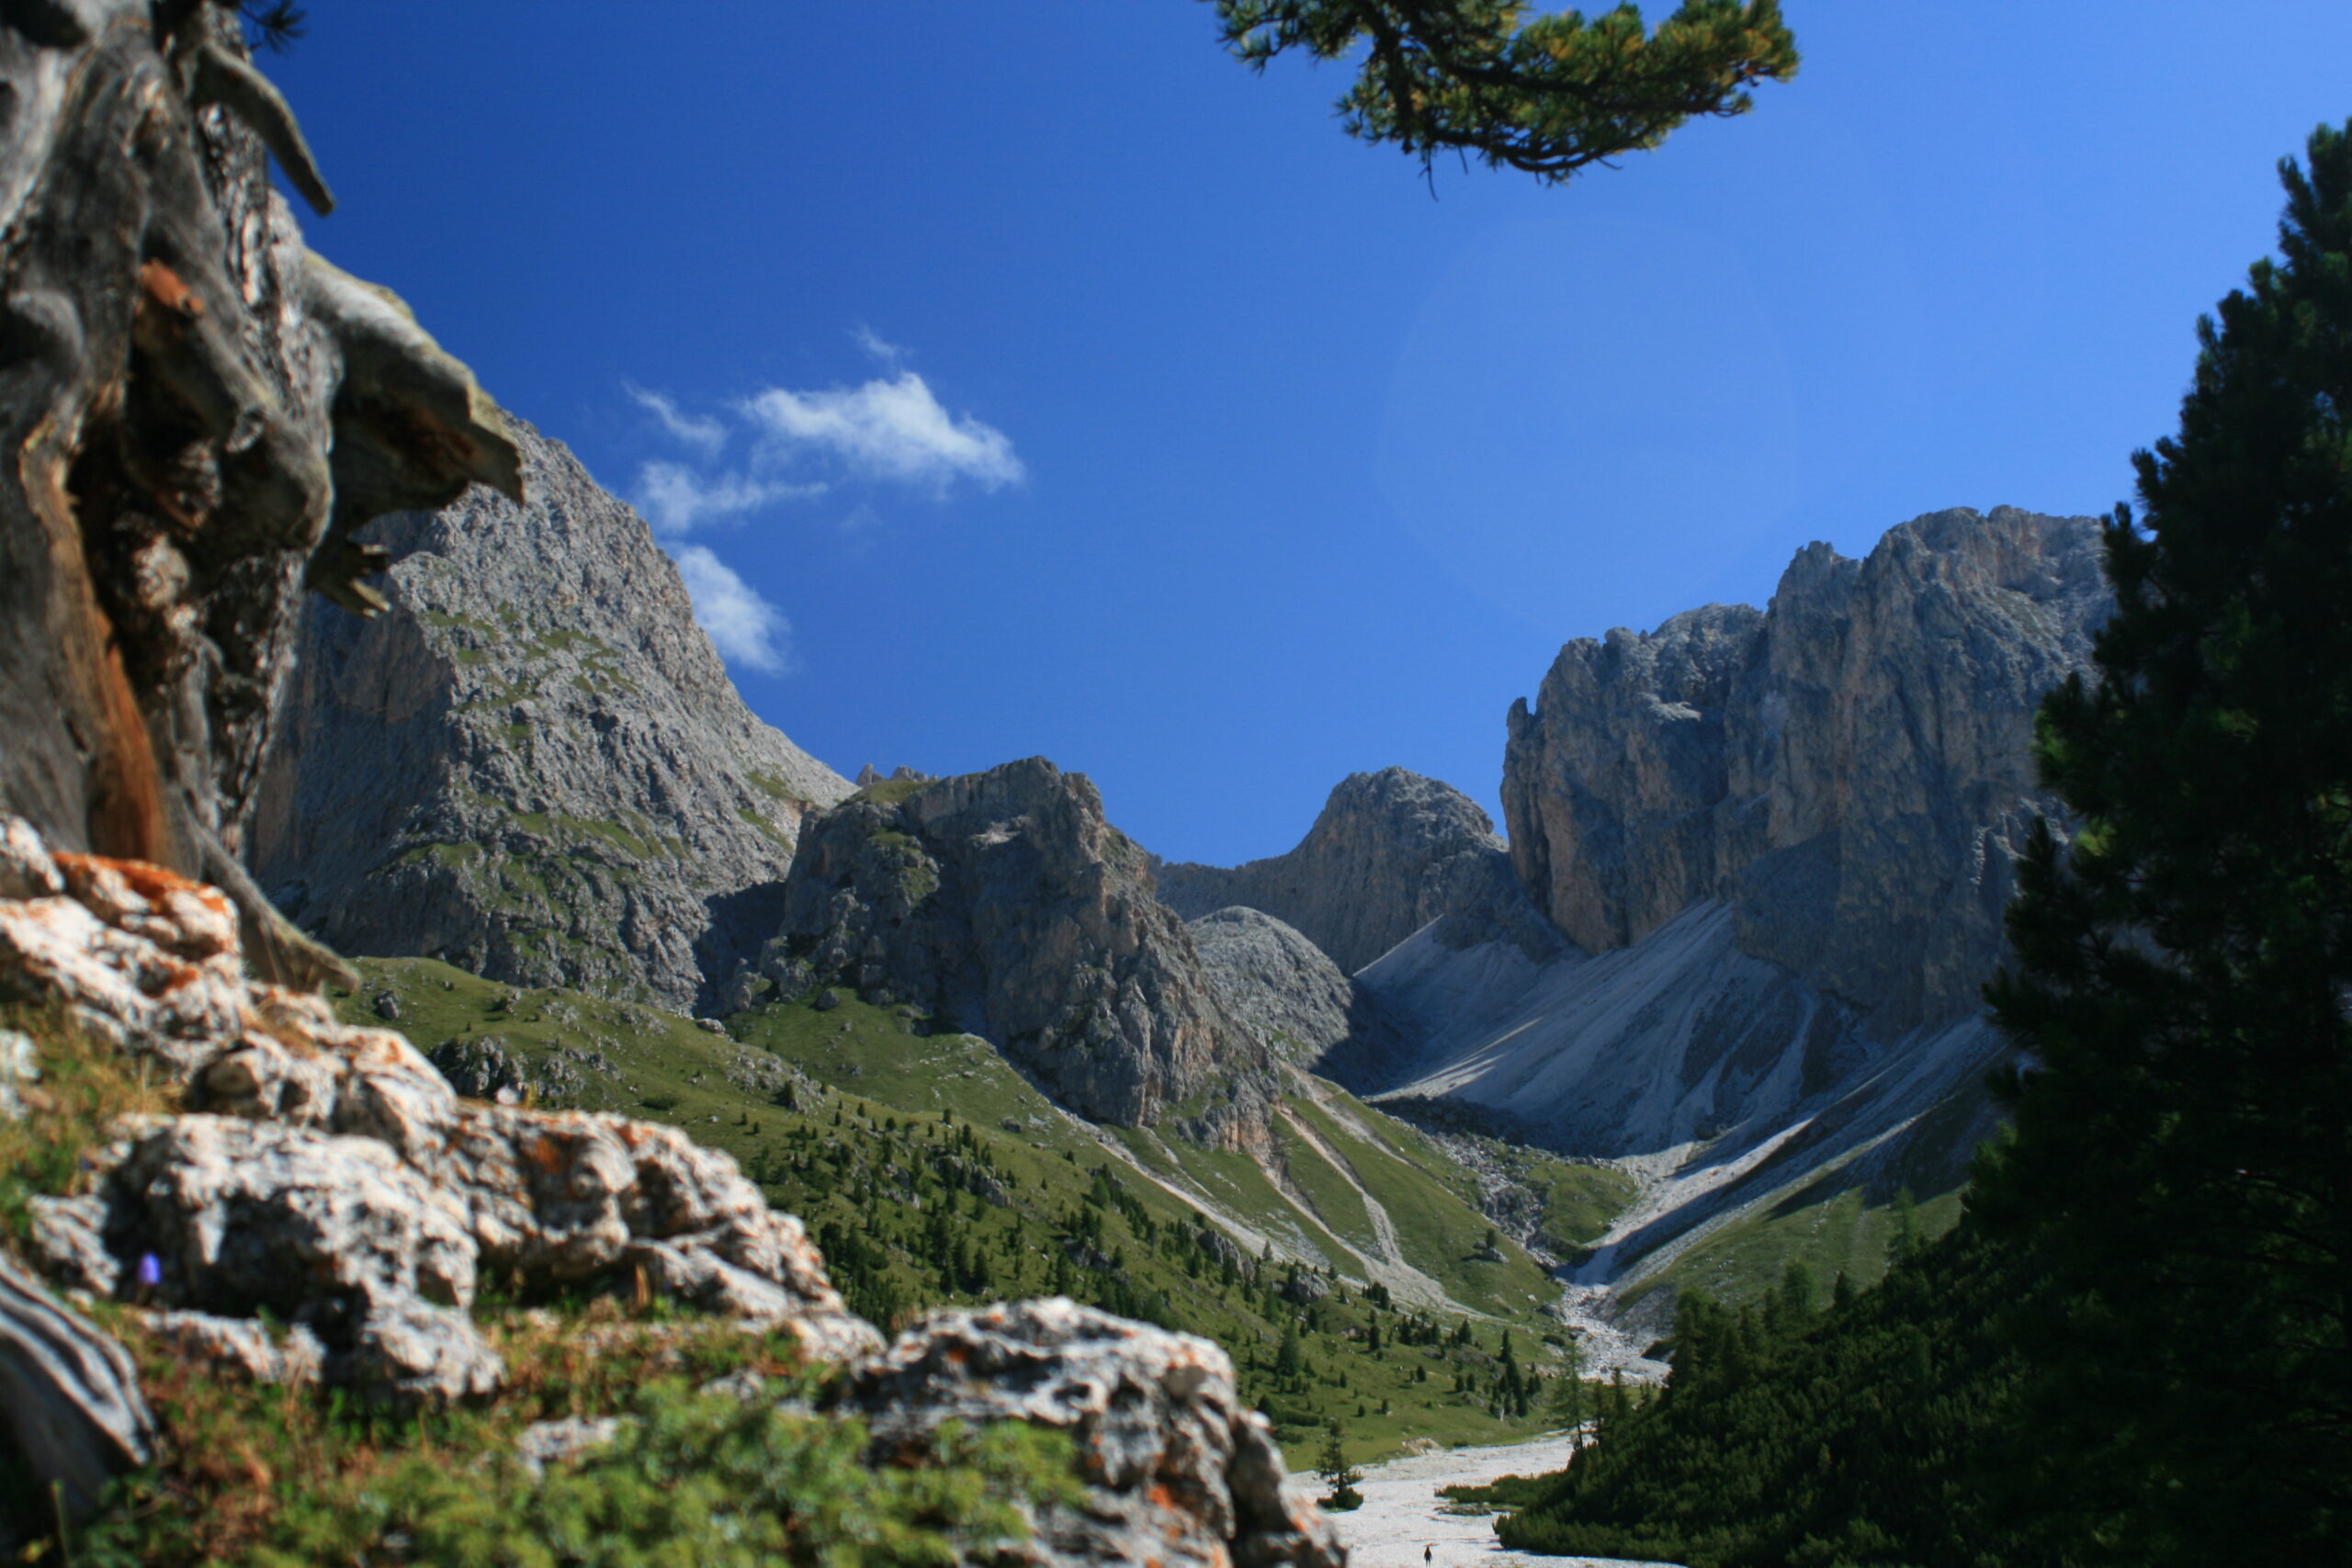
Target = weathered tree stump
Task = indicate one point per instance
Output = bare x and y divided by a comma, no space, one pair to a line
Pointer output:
195,413
70,1410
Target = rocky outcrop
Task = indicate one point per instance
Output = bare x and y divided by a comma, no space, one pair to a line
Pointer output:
1782,840
1286,991
532,764
1847,770
329,1177
1390,852
1180,1472
1005,904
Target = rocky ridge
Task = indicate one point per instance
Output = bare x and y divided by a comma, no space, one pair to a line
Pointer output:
1005,905
1390,852
532,763
1848,770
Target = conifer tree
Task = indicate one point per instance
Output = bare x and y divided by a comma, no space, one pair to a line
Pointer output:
1548,95
1331,1464
2182,1163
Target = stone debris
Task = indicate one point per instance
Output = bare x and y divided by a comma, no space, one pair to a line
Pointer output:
297,1360
563,1442
1183,1474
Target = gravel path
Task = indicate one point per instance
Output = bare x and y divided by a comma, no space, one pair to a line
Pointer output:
1400,1515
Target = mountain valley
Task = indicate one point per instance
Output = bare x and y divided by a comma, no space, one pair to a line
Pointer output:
1679,988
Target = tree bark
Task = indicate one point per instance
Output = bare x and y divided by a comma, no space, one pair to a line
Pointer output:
196,412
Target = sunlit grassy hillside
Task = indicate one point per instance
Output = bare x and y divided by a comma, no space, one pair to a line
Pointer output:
931,1173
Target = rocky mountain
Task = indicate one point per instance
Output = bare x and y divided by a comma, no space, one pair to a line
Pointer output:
1773,846
1390,852
1847,770
532,764
1288,992
1005,905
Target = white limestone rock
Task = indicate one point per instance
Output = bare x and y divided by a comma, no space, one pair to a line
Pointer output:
330,1176
70,1407
1180,1472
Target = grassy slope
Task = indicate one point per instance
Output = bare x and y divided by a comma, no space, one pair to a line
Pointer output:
1843,1233
860,1126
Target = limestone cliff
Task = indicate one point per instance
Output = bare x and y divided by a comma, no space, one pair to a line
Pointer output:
532,764
1390,852
1848,770
1005,904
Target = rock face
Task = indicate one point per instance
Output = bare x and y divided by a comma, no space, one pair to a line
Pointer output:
1847,770
1007,905
1286,991
532,764
1391,852
1182,1472
330,1176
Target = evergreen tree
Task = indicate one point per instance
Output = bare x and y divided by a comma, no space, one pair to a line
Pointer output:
1289,1361
1331,1464
2182,1161
1548,95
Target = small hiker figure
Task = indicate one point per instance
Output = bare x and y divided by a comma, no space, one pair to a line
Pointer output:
1425,1552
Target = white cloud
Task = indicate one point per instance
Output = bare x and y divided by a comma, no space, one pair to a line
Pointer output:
866,338
744,627
891,429
703,433
675,499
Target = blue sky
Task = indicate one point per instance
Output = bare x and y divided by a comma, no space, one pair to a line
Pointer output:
1020,376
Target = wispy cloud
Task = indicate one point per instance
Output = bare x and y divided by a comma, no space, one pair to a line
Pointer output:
893,429
744,627
887,354
799,446
704,435
676,500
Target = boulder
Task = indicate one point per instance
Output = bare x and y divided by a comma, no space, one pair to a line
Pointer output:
1181,1473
